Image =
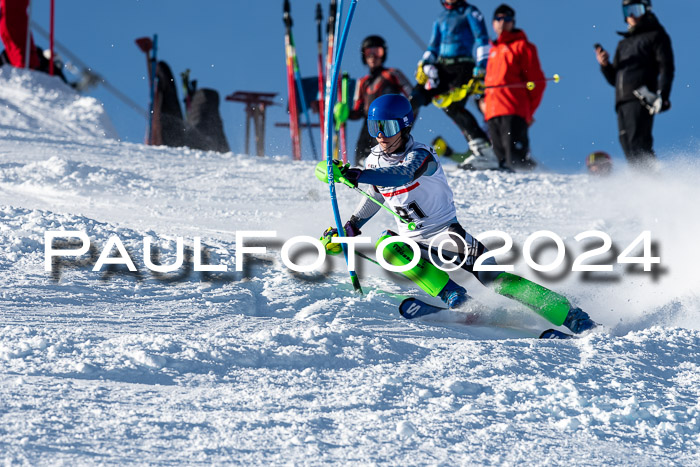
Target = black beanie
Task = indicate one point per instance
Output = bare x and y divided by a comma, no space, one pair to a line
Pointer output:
505,10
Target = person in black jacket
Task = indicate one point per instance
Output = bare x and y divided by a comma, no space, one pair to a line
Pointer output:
642,73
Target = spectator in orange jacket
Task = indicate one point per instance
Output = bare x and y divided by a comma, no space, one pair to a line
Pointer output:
509,105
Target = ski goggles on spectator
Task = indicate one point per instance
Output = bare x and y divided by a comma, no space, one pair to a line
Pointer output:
376,51
387,128
507,19
636,9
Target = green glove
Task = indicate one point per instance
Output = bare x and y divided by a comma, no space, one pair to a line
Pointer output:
341,112
338,171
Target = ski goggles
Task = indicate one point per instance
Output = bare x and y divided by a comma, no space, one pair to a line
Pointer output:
636,9
376,51
507,19
387,128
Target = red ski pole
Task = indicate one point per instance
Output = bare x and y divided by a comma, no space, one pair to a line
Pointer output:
291,87
529,85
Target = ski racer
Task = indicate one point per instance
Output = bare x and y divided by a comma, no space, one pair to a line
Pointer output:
378,82
407,176
449,71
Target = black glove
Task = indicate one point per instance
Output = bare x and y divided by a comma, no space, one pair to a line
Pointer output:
353,175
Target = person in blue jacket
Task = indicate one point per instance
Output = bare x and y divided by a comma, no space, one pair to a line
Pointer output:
449,64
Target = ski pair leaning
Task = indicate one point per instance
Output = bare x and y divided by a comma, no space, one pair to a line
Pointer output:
413,307
437,283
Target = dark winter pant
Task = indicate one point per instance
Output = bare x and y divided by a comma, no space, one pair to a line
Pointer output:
510,141
450,76
635,125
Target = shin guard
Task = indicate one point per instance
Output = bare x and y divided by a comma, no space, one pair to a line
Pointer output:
546,303
424,274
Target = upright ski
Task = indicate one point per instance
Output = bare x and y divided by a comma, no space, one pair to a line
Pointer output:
301,99
330,56
343,96
319,42
150,48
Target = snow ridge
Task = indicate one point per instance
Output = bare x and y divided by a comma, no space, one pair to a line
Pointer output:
35,101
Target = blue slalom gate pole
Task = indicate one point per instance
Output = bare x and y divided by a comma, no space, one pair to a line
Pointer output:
332,96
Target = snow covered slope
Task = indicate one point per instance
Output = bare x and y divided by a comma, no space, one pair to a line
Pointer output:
39,102
266,366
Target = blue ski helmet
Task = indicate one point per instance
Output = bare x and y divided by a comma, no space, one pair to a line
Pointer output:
389,114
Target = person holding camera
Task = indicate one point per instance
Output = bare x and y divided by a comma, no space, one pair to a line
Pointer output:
642,73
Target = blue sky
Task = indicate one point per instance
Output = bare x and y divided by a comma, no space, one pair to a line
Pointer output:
239,45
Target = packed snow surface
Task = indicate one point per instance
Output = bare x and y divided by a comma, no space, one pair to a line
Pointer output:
269,366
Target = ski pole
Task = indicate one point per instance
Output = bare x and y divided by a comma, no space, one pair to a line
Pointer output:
411,225
322,174
530,85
